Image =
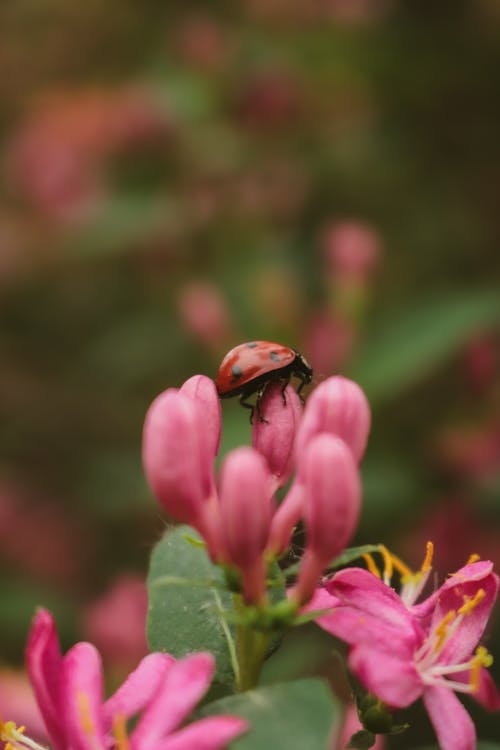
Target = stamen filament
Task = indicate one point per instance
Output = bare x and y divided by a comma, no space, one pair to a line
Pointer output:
371,565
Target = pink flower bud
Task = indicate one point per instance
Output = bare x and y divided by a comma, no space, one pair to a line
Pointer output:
352,250
245,516
337,406
204,313
203,392
331,504
177,461
332,495
275,438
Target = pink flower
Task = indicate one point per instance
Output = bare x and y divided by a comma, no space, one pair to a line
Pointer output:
162,691
402,651
204,313
116,622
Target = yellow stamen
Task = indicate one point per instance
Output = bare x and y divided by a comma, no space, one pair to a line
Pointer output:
482,659
403,569
473,558
84,713
470,604
442,629
429,554
388,563
120,733
371,565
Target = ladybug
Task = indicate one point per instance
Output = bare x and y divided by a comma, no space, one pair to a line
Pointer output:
249,367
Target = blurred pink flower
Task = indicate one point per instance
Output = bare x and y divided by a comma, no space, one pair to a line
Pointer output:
116,622
329,342
55,156
54,546
202,42
352,251
18,704
269,99
482,361
205,314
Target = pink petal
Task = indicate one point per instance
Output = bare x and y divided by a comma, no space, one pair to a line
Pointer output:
359,628
185,683
275,437
245,505
394,680
83,698
44,664
472,627
362,591
139,687
203,392
339,407
454,727
488,695
207,734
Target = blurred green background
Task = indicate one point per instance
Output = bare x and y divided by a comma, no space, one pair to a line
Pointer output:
179,177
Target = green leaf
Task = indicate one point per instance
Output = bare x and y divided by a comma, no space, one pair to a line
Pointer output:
414,341
286,716
184,616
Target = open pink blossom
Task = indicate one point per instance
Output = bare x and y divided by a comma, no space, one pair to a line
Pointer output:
402,651
69,690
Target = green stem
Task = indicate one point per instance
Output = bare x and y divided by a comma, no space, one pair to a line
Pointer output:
251,648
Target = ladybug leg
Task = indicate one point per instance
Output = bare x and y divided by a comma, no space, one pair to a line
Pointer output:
284,384
302,384
260,393
247,405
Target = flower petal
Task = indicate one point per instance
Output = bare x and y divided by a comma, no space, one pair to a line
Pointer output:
371,597
44,663
394,680
139,687
185,683
207,734
83,698
454,727
470,630
488,695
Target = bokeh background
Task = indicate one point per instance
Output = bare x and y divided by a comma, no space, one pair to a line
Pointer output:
179,177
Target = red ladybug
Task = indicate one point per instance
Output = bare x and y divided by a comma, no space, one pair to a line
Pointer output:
249,367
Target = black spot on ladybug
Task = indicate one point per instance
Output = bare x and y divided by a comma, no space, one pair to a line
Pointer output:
252,345
274,356
236,371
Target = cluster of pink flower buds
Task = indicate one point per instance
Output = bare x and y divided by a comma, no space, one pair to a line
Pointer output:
238,516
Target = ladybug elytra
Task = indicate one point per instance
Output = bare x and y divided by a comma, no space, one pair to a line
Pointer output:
249,367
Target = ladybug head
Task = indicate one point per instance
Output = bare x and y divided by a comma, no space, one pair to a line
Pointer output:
302,368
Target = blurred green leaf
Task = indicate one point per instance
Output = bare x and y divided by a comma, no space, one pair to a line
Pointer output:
286,716
412,342
183,617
